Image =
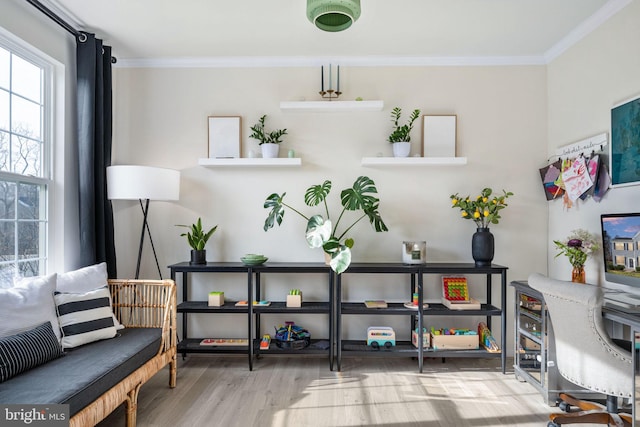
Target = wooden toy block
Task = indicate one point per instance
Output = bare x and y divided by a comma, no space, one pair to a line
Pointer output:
216,299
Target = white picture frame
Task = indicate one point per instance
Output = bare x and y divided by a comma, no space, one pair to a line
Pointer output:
224,137
439,133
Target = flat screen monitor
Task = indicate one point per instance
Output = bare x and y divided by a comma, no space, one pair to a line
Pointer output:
621,248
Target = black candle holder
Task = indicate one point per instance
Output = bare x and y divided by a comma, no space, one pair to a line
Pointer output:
330,94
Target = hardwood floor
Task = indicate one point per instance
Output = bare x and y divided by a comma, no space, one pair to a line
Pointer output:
279,392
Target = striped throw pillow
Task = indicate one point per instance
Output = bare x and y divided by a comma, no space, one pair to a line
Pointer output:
84,317
28,349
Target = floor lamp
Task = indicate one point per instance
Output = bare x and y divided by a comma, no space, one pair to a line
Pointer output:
143,183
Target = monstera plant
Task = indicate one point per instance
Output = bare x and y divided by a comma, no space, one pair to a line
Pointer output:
321,230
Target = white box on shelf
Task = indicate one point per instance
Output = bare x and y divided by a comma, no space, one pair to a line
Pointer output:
216,299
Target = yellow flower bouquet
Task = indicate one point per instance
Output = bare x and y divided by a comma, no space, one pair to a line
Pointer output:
484,209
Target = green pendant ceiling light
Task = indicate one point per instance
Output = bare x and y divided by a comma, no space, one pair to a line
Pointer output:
333,15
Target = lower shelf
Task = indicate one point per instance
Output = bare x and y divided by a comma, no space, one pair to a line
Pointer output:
316,347
405,348
192,345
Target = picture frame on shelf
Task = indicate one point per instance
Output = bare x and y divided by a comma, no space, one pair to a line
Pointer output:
224,137
439,134
625,135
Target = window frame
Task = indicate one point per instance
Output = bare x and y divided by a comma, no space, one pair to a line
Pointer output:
52,72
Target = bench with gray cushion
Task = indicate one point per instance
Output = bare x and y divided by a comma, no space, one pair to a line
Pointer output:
96,378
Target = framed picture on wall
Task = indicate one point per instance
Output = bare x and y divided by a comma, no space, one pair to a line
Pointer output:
624,161
439,136
224,137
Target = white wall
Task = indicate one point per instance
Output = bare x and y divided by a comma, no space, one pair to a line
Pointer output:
25,22
161,120
583,84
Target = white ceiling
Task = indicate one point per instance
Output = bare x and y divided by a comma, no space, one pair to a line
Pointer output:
407,30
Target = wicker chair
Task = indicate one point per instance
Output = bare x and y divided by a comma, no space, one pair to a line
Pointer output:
138,304
586,355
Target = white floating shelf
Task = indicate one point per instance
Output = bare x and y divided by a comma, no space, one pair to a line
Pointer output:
407,161
331,106
251,162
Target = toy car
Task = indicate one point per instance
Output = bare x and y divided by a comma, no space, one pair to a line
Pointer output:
378,336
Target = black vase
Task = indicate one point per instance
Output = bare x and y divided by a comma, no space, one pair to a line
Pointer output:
482,247
198,257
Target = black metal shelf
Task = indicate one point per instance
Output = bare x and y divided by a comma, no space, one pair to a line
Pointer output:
334,308
281,307
416,273
203,307
360,348
392,308
438,309
192,345
314,348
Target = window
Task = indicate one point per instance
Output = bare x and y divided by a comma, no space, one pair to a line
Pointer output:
25,172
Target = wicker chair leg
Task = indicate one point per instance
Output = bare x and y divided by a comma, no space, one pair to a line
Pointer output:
173,369
132,406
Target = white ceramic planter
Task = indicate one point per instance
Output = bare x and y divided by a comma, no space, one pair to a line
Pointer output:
401,149
270,151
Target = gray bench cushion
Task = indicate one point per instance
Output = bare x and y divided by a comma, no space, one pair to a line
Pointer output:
85,373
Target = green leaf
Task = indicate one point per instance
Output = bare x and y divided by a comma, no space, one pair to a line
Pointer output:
316,194
274,201
341,259
356,197
318,231
375,219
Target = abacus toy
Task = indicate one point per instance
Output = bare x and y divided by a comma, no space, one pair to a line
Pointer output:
455,289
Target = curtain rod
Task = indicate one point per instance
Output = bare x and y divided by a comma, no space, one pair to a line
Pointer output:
81,36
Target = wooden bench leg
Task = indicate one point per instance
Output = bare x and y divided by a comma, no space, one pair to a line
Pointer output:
173,369
131,405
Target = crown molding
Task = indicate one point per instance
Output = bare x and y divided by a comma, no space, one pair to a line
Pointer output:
63,13
351,61
587,27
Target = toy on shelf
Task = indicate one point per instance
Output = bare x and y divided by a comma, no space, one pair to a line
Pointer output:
292,336
454,339
426,341
294,299
455,294
486,339
244,303
222,342
375,304
264,343
381,336
216,299
455,288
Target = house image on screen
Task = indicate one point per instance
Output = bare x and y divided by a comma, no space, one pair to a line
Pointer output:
626,251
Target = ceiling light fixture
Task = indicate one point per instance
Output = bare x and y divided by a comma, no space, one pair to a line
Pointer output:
333,15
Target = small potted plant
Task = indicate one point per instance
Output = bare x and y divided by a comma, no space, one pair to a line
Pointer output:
321,232
269,141
197,239
483,210
400,138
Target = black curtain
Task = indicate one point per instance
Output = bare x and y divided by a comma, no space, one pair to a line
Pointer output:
97,243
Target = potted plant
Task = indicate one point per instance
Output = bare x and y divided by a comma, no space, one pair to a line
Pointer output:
321,231
268,140
400,138
197,239
483,210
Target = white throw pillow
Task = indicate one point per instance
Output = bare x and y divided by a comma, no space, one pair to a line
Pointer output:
85,317
85,279
27,304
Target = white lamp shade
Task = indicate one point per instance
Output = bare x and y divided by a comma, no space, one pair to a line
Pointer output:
142,182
